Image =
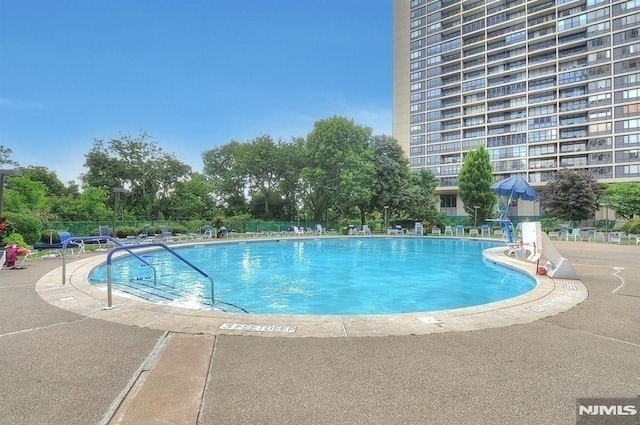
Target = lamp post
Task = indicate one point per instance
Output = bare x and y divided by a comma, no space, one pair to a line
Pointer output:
606,218
475,218
386,217
10,172
116,197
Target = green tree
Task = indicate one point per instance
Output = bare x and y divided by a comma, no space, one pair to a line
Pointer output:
623,198
23,195
90,205
474,185
264,165
291,185
138,164
340,171
392,175
572,195
223,167
419,199
24,224
192,199
5,156
49,178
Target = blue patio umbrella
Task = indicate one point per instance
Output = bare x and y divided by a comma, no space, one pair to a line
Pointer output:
515,187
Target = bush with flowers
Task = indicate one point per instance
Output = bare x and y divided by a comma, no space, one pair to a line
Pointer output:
8,236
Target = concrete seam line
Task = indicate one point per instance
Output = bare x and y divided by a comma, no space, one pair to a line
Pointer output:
147,365
344,330
209,377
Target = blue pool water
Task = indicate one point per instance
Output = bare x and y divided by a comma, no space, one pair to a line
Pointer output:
352,276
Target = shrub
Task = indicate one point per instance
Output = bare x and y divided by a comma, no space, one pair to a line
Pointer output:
27,226
15,238
632,226
550,224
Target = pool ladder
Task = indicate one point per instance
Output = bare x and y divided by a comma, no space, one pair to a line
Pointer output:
129,248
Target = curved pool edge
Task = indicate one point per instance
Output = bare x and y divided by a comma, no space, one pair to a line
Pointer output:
548,298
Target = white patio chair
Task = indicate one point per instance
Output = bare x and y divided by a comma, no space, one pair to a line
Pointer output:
616,237
365,230
575,235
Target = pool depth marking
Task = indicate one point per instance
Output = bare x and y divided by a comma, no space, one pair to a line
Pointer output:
257,328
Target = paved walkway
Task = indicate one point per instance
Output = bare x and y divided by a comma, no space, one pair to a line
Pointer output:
62,367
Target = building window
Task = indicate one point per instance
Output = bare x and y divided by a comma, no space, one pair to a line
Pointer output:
414,129
417,107
448,201
632,109
539,150
604,127
628,140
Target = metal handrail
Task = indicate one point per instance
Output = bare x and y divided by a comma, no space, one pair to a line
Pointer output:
123,247
74,239
148,245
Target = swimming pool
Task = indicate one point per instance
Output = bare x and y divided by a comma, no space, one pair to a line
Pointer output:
349,276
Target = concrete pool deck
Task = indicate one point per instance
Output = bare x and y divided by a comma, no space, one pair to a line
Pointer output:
78,366
548,298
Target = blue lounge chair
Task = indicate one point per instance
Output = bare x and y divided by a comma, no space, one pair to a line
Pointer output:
55,249
165,234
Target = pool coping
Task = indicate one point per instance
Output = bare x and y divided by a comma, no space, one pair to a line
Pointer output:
548,298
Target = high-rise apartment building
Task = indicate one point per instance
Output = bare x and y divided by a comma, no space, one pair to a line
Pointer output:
543,84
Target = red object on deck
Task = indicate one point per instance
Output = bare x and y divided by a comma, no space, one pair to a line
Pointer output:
542,270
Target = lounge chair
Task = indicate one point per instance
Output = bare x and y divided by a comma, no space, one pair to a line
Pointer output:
29,256
486,231
55,249
448,231
474,233
365,230
435,231
594,235
165,234
102,238
616,237
143,236
320,230
395,230
418,229
575,235
207,231
460,230
79,244
297,231
498,233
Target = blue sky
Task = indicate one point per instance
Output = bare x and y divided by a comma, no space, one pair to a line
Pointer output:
193,74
